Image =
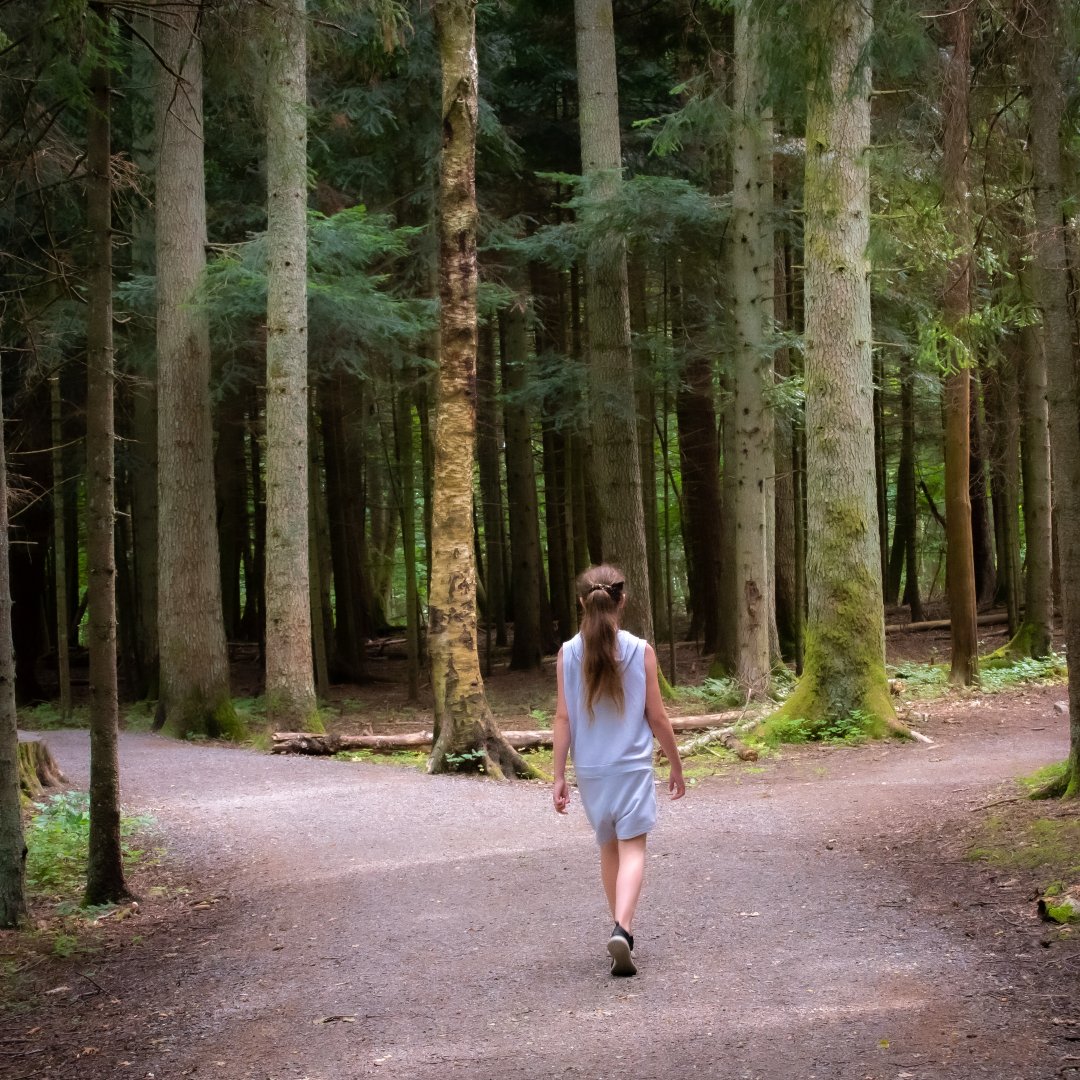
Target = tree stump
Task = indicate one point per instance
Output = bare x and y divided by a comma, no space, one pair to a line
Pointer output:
37,768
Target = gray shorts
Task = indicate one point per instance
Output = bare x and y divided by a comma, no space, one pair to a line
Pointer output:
619,805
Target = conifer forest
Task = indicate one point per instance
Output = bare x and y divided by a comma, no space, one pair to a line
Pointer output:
332,322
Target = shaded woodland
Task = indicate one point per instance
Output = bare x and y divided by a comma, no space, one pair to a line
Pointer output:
324,323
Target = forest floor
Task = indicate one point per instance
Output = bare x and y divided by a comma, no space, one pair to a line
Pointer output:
815,915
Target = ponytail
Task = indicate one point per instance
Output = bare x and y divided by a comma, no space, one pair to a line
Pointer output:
600,590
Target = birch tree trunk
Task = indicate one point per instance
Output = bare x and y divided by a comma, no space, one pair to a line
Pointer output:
844,668
466,734
290,687
956,309
612,405
12,842
105,871
191,633
1043,59
751,251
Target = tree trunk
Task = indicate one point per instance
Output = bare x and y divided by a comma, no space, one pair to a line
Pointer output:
12,842
1042,30
645,396
231,485
527,650
956,309
290,690
751,250
105,871
465,731
1034,636
1002,429
60,546
699,455
194,659
844,673
784,540
340,410
982,534
906,494
612,407
491,498
406,456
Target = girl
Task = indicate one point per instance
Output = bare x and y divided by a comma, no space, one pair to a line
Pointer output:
609,708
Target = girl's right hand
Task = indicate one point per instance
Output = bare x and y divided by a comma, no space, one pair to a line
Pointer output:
560,796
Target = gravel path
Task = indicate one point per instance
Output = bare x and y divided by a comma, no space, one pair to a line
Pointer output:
459,925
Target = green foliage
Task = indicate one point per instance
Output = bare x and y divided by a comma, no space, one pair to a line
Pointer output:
467,761
57,841
854,727
923,681
46,716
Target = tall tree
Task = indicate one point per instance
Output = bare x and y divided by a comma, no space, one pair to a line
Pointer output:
1041,26
105,870
751,249
290,686
844,668
956,310
194,669
12,842
612,407
465,730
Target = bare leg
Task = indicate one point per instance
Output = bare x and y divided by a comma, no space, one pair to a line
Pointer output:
609,871
631,874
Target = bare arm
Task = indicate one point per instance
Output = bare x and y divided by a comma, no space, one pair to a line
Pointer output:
560,731
657,717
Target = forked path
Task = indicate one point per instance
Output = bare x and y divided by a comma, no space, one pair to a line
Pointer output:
371,921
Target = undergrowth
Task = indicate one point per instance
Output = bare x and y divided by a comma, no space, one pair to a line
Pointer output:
922,681
57,841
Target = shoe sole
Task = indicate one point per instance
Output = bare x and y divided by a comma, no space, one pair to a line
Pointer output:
622,963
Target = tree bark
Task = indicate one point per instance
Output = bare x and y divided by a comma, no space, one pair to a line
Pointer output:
466,734
491,497
105,871
194,660
60,546
751,251
612,406
844,672
290,689
956,309
982,530
1042,55
1034,637
12,843
526,574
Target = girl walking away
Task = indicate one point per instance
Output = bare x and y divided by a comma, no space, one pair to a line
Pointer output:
609,709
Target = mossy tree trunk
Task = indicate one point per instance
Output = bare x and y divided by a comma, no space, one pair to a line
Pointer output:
104,871
1041,26
844,667
612,404
290,687
12,841
751,257
466,734
956,309
194,671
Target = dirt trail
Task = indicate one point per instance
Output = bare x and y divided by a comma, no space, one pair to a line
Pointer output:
788,929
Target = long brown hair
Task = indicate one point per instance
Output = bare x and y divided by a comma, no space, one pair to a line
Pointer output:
600,590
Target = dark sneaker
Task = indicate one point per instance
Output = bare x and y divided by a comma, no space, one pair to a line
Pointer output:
620,946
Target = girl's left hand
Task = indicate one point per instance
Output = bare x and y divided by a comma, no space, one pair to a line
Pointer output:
560,796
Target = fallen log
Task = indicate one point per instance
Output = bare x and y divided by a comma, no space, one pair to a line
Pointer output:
303,742
37,768
991,618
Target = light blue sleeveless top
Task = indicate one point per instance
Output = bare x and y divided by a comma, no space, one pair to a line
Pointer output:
609,741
